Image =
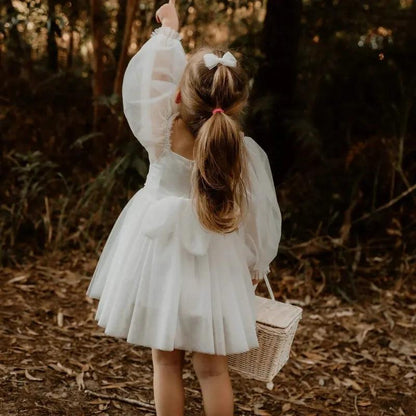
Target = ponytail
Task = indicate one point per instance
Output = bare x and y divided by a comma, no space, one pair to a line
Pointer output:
219,176
220,168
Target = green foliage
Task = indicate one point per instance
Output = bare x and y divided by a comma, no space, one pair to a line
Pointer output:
32,177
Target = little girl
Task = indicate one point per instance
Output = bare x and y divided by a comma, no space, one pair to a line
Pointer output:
177,271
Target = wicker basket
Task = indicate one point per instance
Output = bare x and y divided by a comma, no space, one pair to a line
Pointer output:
276,326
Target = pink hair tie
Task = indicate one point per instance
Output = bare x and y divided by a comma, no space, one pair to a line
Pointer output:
217,110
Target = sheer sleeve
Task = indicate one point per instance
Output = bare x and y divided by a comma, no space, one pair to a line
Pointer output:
149,86
262,226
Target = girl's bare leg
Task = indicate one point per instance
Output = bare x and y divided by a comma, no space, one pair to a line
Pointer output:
168,386
213,376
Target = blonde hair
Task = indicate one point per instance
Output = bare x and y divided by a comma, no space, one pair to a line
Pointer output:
219,176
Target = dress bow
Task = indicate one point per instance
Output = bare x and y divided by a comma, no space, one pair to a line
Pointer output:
174,215
211,60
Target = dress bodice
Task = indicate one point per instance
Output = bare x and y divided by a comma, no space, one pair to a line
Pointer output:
170,175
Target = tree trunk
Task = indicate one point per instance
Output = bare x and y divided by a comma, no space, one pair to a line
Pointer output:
70,56
130,13
72,17
52,46
121,20
97,22
274,85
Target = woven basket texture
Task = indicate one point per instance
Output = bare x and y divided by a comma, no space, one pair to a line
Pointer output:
276,326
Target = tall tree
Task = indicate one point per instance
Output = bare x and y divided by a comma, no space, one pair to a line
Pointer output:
274,85
53,29
121,20
97,30
130,12
73,15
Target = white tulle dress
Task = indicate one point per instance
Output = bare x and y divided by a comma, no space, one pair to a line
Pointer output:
162,280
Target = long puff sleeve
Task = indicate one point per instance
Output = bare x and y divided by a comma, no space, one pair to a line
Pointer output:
262,226
149,86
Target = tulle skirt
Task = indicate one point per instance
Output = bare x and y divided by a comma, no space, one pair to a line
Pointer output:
165,282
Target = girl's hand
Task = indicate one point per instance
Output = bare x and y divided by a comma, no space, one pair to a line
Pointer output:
166,14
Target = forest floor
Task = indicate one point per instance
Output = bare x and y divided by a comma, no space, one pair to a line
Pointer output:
347,358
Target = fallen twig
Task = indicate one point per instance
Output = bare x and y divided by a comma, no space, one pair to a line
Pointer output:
389,204
122,399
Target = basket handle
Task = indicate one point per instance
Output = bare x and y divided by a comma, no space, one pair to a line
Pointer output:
269,288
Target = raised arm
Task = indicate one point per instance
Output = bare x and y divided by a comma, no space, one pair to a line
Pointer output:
262,227
151,80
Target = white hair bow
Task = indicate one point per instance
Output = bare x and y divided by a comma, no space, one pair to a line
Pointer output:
211,60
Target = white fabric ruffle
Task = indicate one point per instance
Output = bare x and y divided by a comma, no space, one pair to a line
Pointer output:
164,286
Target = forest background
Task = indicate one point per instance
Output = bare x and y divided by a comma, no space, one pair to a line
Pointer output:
332,103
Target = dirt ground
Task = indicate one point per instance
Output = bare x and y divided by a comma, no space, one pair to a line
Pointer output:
347,358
